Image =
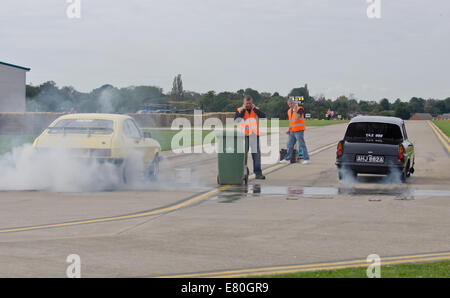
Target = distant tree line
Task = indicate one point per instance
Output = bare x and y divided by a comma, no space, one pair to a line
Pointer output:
48,97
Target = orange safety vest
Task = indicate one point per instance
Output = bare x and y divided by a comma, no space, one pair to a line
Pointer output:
251,122
296,124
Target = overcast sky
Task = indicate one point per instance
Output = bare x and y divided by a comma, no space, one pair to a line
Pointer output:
232,44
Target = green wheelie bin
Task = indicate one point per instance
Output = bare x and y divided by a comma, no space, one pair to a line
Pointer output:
232,159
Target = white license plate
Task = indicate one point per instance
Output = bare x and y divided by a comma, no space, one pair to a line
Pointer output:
369,159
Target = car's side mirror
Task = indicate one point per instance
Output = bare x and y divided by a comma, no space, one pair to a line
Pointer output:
147,135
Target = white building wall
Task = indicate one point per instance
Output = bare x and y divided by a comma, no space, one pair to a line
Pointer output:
12,89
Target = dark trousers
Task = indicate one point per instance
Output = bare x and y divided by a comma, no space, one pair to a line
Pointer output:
252,141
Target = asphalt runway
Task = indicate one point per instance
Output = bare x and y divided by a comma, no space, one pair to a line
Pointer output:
186,225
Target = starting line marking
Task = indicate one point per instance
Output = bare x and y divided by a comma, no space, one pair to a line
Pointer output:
122,217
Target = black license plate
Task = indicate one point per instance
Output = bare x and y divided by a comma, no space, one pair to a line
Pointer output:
369,158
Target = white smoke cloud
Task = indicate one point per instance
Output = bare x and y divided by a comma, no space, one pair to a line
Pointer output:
347,176
393,177
108,100
57,171
26,169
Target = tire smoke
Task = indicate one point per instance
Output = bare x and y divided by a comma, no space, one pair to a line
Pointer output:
26,169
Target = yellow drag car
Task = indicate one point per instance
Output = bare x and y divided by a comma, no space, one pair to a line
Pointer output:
103,138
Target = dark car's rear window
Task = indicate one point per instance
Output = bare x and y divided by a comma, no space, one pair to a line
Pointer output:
373,132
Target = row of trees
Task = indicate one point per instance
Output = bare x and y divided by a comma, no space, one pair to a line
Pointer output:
48,97
275,105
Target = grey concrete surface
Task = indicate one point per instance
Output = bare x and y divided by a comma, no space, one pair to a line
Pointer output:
234,229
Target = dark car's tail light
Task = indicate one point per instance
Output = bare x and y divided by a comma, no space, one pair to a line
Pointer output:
401,153
340,149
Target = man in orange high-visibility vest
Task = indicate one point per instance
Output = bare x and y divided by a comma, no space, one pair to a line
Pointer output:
329,114
296,131
249,115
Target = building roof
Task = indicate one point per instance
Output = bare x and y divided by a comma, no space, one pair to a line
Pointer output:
15,66
424,116
378,119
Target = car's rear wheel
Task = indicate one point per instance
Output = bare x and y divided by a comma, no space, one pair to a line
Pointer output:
125,172
346,173
133,171
405,174
408,170
154,168
402,175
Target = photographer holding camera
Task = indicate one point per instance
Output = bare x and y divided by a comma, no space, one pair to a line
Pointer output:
296,131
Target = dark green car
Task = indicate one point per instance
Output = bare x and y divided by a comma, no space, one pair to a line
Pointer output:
375,145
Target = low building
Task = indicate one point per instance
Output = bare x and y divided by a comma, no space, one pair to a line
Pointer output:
422,116
12,87
444,117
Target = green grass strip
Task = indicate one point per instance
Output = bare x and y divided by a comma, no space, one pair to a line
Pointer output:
444,125
423,270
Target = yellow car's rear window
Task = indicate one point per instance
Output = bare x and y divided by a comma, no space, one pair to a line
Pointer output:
81,126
